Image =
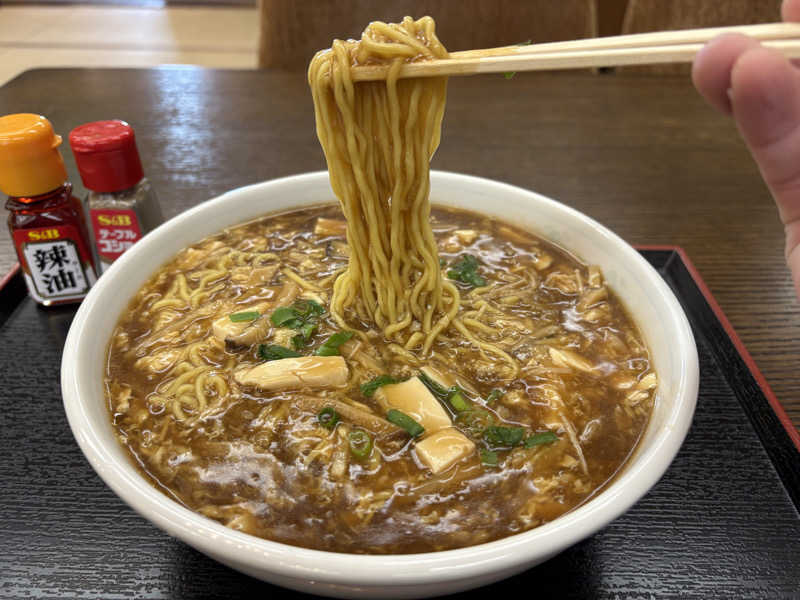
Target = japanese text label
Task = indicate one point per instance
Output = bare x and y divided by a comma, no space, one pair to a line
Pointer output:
55,263
114,232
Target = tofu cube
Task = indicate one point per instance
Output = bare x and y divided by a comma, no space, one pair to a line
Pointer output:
441,450
447,380
414,399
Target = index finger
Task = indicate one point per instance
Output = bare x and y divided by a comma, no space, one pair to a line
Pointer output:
790,10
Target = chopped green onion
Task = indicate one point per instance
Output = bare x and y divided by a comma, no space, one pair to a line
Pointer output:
298,341
250,315
302,316
331,346
545,437
307,330
457,400
301,339
283,316
489,458
498,436
465,270
403,421
454,395
275,352
437,390
360,444
308,308
493,395
373,384
328,417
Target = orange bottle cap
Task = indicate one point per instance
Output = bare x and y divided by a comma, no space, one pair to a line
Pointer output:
30,163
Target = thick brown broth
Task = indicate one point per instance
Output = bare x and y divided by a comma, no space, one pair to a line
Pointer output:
261,462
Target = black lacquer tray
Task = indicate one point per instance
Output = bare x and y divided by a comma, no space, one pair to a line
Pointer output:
722,523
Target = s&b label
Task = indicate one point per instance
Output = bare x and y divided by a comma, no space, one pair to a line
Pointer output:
114,232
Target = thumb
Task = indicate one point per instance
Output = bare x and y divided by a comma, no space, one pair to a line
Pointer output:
765,100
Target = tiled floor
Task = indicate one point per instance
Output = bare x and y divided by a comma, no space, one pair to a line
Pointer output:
76,35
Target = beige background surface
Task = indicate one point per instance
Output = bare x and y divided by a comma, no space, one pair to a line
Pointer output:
94,36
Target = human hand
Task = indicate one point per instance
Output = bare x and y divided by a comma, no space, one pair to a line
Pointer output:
761,90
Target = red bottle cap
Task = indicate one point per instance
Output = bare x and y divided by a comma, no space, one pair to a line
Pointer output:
106,155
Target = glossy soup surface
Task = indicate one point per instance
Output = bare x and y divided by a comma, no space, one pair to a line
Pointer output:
262,462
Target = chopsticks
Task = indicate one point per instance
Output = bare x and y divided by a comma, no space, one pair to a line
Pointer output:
623,50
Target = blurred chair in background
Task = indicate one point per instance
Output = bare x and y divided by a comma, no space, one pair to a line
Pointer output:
293,30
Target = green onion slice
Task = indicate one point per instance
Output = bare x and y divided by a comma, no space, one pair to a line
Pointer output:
545,437
504,437
328,417
275,352
457,400
306,330
298,342
307,308
440,392
360,444
493,395
454,395
301,313
403,421
250,315
489,458
465,270
284,316
373,384
331,346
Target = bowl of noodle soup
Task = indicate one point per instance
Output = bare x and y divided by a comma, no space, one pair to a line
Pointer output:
450,377
648,302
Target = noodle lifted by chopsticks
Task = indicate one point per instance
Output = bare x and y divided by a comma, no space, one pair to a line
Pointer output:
378,138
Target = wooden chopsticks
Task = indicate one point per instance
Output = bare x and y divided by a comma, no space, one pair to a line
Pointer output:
637,49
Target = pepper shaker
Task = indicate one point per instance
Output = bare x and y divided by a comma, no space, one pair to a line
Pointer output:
122,204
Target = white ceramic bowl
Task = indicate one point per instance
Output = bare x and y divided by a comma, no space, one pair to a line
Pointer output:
649,301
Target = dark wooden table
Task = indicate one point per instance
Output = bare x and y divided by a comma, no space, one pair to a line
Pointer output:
642,155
